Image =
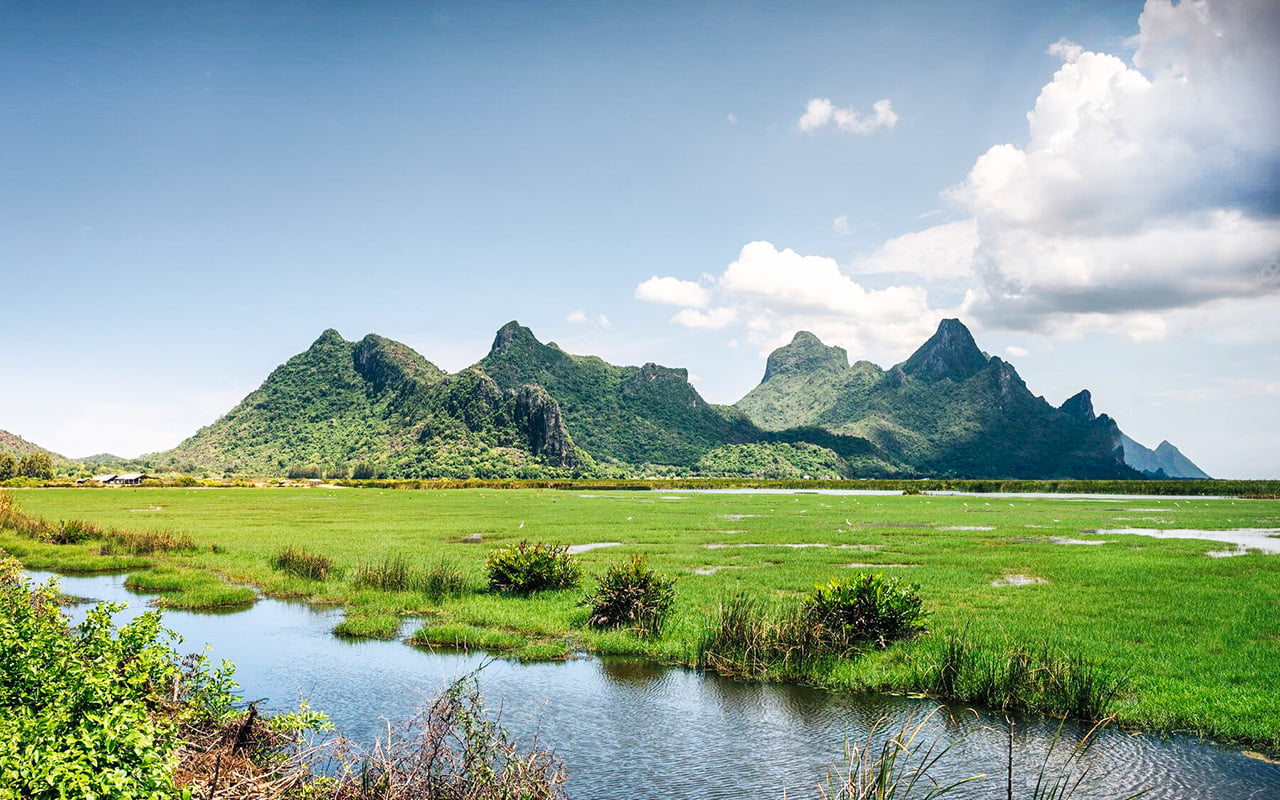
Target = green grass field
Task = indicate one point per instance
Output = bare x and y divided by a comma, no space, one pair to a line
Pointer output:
1198,638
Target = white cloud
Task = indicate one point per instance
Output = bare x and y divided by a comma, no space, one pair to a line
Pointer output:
732,119
820,111
840,225
602,321
941,252
773,293
672,292
578,316
1143,189
1017,352
712,318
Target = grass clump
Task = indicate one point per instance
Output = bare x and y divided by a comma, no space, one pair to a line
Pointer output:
302,564
845,615
440,580
461,636
145,543
1043,680
190,589
631,595
370,626
525,568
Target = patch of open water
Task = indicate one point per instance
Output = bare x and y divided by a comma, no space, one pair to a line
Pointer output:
628,729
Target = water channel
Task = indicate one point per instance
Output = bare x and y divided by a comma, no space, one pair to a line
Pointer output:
627,729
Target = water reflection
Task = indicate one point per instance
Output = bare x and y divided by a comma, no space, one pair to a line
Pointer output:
630,729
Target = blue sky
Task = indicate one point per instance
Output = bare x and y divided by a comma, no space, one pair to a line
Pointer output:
191,192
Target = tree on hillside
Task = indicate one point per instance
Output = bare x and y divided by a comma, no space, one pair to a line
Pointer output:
36,465
8,466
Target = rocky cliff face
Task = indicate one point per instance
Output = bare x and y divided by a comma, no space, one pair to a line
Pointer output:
541,426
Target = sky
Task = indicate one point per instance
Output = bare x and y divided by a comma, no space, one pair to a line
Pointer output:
190,193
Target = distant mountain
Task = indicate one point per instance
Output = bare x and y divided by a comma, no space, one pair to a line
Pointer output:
948,410
632,415
377,407
1166,461
15,445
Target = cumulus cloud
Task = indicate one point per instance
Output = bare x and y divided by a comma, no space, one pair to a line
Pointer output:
672,292
770,293
941,252
1017,352
1143,188
820,111
578,316
720,317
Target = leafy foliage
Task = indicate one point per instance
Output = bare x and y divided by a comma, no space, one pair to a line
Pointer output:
76,705
632,595
844,615
526,568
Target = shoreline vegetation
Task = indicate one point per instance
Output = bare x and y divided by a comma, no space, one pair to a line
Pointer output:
1150,632
1213,487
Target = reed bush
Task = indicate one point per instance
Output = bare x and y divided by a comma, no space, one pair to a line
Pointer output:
845,615
302,564
526,568
631,595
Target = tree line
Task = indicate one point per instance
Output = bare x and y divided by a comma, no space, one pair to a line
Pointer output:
31,465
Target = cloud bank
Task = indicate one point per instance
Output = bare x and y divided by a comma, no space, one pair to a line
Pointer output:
1145,200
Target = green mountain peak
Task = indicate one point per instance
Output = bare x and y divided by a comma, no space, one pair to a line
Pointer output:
806,355
951,353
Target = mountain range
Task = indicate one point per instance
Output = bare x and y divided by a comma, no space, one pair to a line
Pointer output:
376,407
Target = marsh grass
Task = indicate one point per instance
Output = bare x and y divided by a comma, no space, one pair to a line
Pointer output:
467,637
190,589
395,574
1042,679
380,626
302,564
135,543
893,765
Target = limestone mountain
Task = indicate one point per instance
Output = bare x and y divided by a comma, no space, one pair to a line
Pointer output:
948,410
1166,461
630,415
376,406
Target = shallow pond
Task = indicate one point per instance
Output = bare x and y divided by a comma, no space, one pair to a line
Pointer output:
627,729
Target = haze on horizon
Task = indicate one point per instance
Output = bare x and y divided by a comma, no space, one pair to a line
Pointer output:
194,192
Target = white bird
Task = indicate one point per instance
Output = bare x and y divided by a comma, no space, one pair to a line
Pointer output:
521,523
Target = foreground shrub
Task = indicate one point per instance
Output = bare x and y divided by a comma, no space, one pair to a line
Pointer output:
631,595
870,609
527,568
302,564
75,704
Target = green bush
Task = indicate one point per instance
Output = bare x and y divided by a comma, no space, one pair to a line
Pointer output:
870,609
527,568
631,595
75,703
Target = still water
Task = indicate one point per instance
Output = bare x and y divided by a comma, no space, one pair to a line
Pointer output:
627,729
